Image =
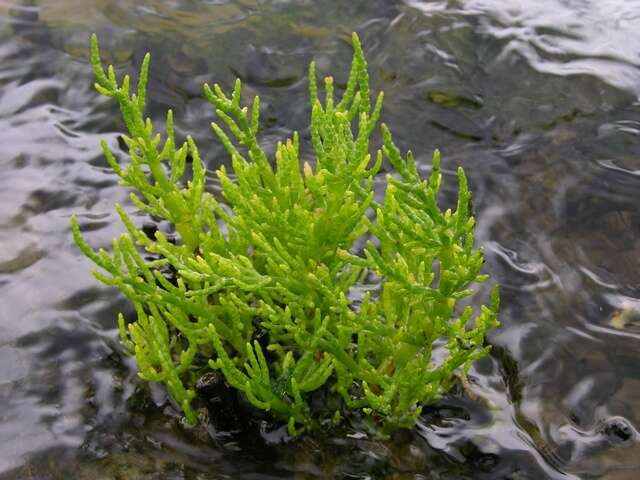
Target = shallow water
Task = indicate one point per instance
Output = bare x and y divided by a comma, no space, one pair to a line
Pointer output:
537,100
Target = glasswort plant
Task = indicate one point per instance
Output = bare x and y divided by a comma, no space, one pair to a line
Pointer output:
281,256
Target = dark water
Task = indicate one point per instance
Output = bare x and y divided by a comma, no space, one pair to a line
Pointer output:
536,99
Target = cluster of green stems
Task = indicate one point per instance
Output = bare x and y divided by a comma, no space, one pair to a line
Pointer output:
296,278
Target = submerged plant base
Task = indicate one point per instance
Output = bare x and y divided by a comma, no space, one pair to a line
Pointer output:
267,288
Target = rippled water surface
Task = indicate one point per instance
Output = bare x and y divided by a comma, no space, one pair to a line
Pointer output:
537,100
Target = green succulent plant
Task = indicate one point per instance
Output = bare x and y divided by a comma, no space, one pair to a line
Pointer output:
347,293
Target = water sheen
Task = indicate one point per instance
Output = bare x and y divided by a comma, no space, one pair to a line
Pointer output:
537,100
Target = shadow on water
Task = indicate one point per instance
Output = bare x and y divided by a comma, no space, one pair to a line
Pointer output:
537,100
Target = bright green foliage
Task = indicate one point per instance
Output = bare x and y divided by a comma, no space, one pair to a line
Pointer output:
351,295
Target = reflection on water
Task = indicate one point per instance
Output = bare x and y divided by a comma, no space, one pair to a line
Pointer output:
538,100
583,37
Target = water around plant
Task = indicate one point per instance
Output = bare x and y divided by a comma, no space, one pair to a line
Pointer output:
536,100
